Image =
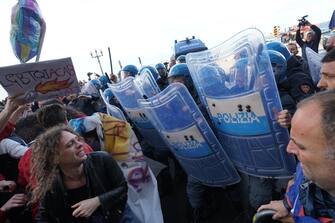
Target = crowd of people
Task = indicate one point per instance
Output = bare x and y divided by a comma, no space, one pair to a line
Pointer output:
52,172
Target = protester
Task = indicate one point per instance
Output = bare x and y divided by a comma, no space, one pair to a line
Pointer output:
28,128
7,144
12,147
330,44
16,200
312,38
9,115
48,116
92,186
327,80
293,48
311,197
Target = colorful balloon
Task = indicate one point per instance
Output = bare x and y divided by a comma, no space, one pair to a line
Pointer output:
27,30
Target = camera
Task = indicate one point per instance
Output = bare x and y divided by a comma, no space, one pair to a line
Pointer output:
303,21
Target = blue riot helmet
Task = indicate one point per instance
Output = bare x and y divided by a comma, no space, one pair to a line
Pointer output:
161,69
108,95
160,66
213,79
279,47
180,73
278,63
104,80
96,83
152,70
91,88
181,59
129,70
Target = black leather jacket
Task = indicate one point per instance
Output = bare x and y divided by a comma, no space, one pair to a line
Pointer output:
103,179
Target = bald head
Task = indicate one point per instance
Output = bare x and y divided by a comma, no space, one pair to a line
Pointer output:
326,102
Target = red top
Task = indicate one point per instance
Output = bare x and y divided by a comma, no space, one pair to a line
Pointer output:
7,131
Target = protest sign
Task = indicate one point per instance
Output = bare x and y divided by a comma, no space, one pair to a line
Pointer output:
41,80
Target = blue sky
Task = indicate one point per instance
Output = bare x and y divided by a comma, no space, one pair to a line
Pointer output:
148,28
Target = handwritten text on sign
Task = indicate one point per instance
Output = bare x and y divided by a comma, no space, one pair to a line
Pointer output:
39,81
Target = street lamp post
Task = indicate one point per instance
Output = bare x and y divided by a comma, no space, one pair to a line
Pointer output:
97,55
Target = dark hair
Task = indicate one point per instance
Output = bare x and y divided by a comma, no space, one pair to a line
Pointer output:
51,115
329,57
72,113
28,128
326,100
50,102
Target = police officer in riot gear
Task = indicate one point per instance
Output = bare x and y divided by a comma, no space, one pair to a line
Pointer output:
129,70
162,80
299,84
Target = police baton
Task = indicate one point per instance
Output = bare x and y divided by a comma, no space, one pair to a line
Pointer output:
110,60
139,60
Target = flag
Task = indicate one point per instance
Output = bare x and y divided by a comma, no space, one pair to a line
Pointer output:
332,21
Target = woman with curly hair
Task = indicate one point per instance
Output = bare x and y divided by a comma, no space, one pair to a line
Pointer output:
73,186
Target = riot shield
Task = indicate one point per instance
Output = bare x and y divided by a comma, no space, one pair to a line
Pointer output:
112,110
235,82
127,94
314,64
147,83
178,119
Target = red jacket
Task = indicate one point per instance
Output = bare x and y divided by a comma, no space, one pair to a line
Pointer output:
7,130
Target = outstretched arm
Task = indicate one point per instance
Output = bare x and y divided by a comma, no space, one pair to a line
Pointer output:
10,107
298,38
317,32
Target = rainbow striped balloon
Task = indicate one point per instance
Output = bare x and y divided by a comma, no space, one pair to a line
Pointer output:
27,30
